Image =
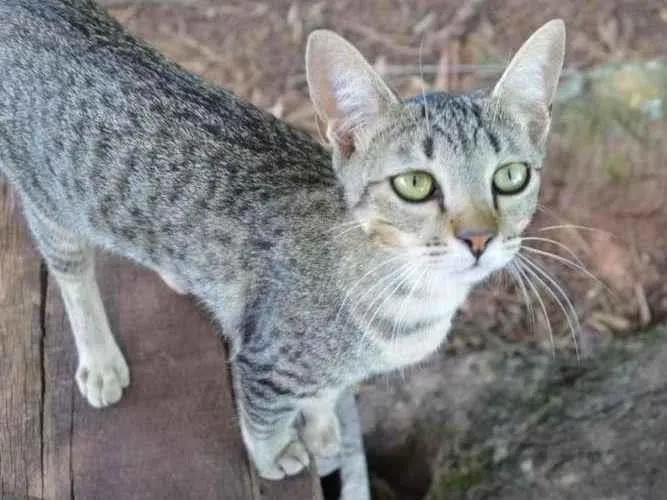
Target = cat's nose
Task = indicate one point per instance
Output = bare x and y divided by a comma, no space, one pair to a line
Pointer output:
476,239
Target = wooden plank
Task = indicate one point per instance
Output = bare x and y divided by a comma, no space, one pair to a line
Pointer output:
304,486
20,357
174,434
59,365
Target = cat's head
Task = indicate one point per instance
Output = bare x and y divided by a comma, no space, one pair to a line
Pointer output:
453,178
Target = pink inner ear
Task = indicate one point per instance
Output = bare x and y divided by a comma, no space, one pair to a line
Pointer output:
538,126
342,139
346,145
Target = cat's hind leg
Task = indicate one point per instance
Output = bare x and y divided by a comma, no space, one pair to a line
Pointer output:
102,371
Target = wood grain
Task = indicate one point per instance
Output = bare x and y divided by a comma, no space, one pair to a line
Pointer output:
20,357
173,435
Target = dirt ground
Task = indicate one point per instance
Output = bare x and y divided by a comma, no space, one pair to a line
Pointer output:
256,49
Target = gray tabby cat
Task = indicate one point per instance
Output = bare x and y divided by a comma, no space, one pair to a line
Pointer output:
321,269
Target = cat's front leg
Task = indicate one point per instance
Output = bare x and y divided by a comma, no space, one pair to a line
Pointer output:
281,424
267,415
320,428
276,452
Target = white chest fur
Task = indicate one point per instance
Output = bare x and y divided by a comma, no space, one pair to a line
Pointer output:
401,350
410,349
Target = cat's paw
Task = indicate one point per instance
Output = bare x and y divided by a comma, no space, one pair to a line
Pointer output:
294,458
321,433
278,455
102,375
290,461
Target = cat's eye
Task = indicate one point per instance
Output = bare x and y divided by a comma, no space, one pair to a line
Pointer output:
414,186
511,178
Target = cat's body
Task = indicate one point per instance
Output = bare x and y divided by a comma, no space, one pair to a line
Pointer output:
87,145
111,146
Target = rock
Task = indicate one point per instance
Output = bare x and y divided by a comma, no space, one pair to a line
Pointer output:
640,85
518,424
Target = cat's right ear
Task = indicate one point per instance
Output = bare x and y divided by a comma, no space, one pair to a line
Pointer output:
529,83
348,95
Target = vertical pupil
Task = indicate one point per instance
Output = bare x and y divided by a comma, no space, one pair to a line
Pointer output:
414,181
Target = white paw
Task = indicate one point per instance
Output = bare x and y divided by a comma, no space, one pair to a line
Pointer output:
321,433
292,460
102,376
276,456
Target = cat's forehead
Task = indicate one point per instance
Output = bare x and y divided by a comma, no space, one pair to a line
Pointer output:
456,131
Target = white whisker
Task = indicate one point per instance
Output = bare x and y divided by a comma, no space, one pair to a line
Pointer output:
569,263
401,310
555,243
345,231
526,296
398,283
570,312
389,279
573,226
521,268
376,268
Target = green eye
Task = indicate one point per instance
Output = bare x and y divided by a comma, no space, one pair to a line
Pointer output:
511,178
414,186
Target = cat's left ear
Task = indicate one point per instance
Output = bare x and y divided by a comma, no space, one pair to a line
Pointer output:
348,94
530,81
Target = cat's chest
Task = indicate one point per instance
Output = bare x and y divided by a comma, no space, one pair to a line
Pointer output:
412,348
419,329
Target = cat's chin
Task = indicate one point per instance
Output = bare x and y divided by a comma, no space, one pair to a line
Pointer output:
477,272
474,274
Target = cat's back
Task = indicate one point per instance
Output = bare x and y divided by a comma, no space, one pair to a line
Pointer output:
44,25
73,51
91,108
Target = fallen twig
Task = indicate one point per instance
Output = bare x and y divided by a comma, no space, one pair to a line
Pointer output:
457,25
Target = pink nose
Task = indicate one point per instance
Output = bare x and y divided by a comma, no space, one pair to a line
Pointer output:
477,240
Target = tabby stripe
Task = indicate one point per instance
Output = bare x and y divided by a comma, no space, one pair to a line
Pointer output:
388,325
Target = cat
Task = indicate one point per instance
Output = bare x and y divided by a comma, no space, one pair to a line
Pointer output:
322,266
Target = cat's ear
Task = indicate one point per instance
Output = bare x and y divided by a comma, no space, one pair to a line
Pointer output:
530,81
348,94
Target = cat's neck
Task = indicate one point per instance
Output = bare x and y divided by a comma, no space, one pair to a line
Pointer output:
390,294
401,311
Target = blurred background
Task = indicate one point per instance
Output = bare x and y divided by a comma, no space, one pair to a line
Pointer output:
603,198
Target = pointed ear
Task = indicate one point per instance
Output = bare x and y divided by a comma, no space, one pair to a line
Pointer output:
348,95
530,81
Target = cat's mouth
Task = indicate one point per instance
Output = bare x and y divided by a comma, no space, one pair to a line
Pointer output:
475,272
485,266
